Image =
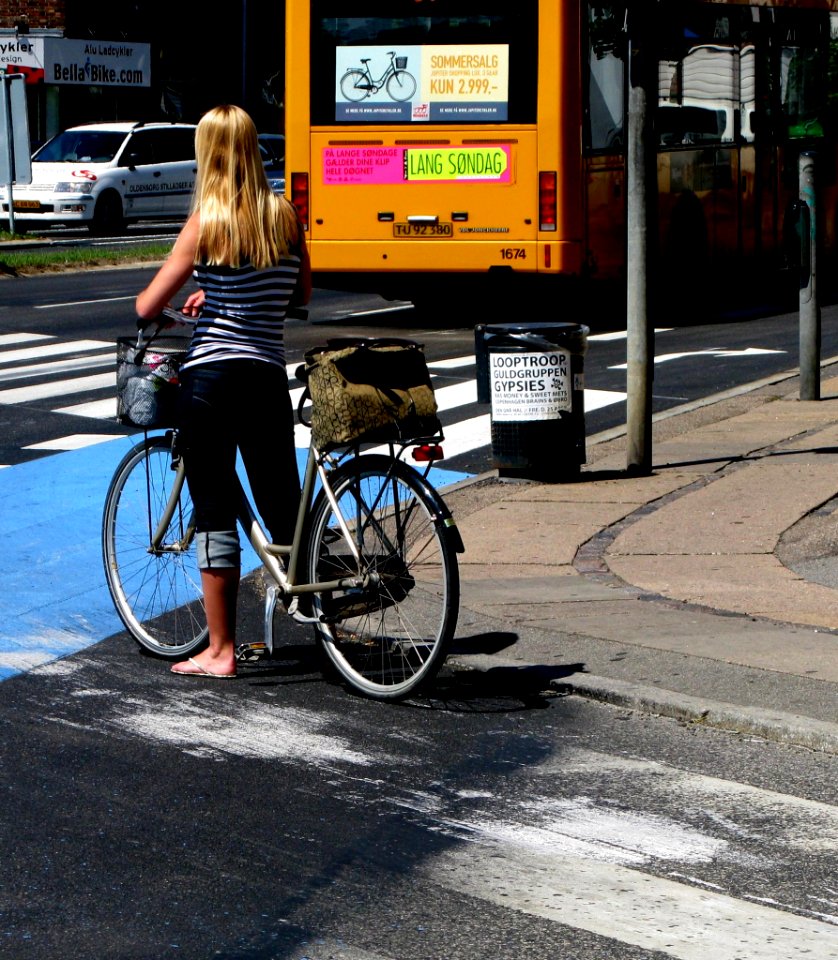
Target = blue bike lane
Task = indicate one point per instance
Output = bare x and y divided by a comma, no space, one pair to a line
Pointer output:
55,601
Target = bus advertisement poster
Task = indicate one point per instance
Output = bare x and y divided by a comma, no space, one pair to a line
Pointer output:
436,83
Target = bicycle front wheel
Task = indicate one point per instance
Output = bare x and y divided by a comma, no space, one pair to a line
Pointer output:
355,85
401,86
388,636
156,591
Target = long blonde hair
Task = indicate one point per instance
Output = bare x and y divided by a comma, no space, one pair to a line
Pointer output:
241,219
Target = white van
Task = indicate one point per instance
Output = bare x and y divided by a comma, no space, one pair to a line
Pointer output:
106,174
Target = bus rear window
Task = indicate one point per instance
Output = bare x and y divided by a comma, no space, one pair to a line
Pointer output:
414,61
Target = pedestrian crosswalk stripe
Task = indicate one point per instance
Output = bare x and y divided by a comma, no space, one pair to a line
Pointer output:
95,409
597,399
630,906
56,366
456,395
57,388
73,442
53,349
467,435
451,363
10,338
624,870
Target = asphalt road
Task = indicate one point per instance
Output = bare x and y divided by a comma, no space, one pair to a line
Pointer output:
278,816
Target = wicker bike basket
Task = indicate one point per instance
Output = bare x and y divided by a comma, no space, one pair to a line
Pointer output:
401,63
147,375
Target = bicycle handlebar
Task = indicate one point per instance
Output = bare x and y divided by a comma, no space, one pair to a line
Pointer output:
167,314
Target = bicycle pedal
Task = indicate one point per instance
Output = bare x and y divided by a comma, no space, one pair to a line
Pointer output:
251,652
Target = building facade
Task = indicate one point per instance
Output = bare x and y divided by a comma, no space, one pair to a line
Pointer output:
184,60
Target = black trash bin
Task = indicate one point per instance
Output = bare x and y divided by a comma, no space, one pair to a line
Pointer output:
532,374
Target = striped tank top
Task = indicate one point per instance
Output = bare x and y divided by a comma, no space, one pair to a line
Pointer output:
243,314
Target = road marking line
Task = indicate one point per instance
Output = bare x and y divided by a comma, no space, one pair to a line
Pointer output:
95,409
9,338
53,349
467,435
452,362
629,906
456,395
59,388
622,334
33,370
710,352
82,303
73,442
597,399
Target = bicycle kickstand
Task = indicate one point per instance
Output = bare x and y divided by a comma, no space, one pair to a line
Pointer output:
273,594
270,606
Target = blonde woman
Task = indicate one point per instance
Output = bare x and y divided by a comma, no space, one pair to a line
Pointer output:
247,251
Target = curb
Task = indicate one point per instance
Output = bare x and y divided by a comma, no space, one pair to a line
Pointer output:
776,726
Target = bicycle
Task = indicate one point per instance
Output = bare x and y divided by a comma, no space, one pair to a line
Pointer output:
358,84
372,566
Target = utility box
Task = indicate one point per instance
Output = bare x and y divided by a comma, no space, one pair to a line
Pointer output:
532,374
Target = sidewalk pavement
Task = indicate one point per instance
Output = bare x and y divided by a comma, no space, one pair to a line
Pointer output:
665,593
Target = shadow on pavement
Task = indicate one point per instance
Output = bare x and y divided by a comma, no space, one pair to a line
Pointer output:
490,642
505,689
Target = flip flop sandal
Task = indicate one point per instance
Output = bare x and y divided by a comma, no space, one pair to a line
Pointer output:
196,670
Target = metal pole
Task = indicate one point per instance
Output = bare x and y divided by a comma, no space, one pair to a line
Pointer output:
10,152
640,194
810,314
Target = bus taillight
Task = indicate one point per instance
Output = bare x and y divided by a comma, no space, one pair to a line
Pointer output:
299,196
547,200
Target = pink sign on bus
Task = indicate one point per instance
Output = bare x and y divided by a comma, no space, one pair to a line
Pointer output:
377,165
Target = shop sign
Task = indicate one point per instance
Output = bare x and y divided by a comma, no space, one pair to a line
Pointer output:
97,63
23,55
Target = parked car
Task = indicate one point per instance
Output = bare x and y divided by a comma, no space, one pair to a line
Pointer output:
272,147
107,174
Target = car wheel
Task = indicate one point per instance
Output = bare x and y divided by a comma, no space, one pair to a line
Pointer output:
107,215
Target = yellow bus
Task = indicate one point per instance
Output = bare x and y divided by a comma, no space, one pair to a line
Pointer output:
450,140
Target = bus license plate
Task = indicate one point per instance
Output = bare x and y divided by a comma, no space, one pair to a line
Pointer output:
427,230
27,205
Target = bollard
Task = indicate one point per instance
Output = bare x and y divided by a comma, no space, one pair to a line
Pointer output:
810,316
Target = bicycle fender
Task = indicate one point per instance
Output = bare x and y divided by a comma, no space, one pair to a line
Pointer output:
442,515
452,532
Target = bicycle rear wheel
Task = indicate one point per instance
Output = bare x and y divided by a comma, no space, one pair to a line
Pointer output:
157,593
389,638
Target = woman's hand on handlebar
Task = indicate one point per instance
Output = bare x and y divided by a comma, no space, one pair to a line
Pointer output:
193,304
169,317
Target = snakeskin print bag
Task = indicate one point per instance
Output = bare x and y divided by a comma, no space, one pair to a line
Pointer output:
370,391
